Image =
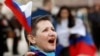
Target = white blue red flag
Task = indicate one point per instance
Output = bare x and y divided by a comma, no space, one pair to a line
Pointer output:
81,43
21,12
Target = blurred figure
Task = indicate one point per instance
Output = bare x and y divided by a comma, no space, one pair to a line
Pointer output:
9,41
16,28
94,18
3,32
72,35
65,20
45,10
82,13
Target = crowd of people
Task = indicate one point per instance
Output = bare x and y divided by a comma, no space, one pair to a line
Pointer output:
66,26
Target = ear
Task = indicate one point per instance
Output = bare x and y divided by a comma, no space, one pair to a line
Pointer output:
31,38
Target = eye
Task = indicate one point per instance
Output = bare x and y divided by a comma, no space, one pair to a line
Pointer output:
52,29
45,30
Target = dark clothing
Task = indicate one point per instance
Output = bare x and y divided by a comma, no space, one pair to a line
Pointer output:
65,52
15,45
3,37
94,19
42,12
15,25
62,51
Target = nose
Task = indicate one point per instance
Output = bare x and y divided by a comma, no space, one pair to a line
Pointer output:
52,34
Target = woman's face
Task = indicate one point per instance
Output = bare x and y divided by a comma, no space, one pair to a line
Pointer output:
64,13
45,36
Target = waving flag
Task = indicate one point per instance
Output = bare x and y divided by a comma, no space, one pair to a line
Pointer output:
21,12
81,41
82,45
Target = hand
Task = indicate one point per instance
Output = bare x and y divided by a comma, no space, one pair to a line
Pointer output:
30,54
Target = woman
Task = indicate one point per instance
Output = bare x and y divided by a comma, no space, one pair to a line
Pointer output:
42,38
65,20
72,35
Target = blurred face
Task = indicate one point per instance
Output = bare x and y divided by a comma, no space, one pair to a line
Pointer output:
64,13
97,7
48,6
45,38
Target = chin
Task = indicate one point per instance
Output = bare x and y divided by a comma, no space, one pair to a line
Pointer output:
52,48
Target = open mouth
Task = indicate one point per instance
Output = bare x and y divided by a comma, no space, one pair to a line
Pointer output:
51,41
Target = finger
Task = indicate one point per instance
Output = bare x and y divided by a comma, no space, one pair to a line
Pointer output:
30,54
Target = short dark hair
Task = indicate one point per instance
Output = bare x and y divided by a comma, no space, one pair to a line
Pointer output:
34,22
46,1
37,19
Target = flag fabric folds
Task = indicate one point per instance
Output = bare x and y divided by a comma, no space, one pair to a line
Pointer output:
21,12
81,41
83,45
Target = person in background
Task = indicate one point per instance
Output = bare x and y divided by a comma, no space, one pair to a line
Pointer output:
42,38
16,28
65,20
94,19
72,35
3,32
45,10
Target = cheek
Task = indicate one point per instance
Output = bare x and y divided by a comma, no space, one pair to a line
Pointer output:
62,15
41,38
43,35
55,34
41,41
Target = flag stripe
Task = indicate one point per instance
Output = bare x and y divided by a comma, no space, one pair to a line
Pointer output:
83,45
18,14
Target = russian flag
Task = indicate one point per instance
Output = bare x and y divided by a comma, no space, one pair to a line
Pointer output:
21,12
81,43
